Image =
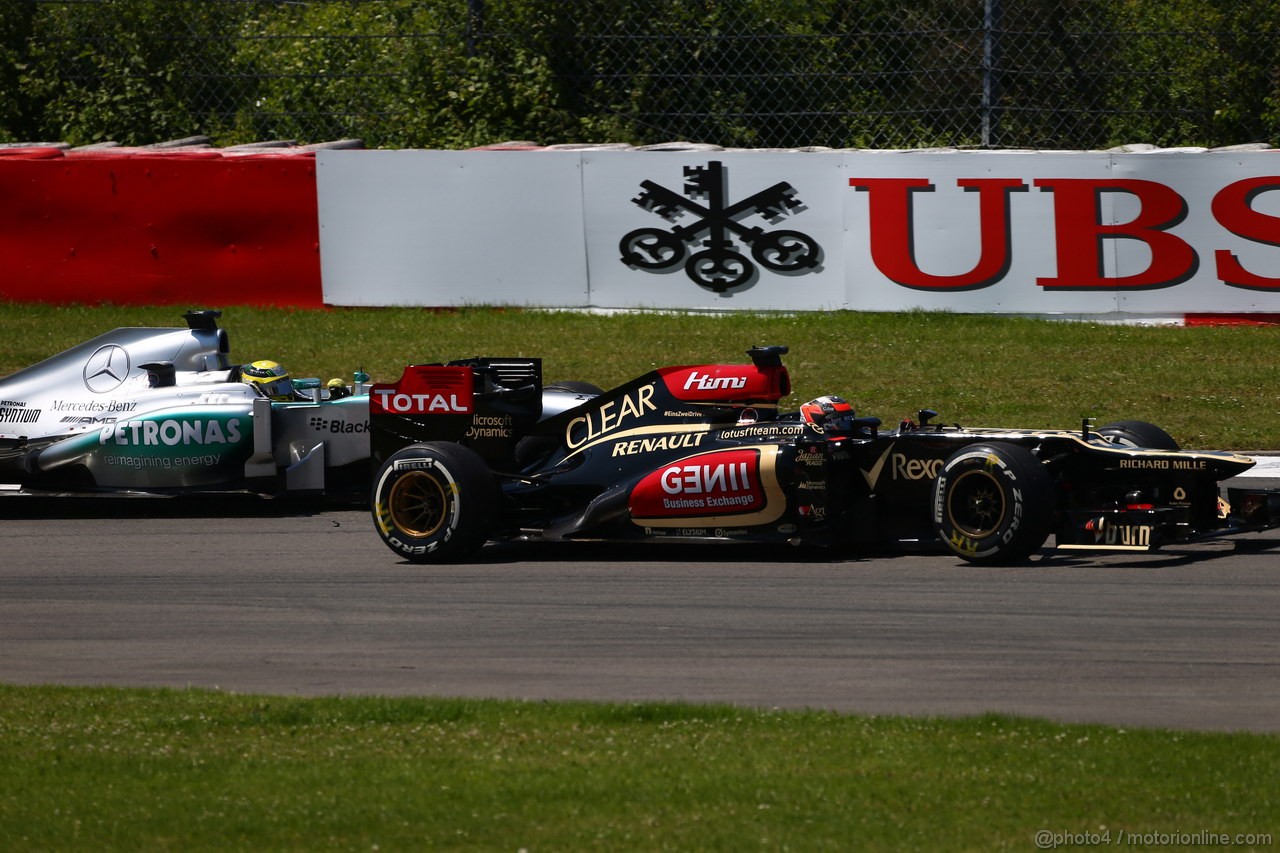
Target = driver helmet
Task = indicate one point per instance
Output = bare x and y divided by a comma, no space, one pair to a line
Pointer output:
269,378
828,414
337,389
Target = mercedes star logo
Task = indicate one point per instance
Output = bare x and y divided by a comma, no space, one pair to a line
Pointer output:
106,369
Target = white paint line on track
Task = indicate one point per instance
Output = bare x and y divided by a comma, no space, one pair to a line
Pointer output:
1267,466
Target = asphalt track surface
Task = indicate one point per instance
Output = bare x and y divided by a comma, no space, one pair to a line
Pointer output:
259,597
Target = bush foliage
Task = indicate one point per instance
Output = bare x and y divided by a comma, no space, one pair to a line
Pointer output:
750,73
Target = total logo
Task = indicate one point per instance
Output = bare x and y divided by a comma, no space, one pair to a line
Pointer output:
426,389
171,433
401,403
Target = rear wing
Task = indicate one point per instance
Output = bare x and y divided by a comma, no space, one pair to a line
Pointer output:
486,404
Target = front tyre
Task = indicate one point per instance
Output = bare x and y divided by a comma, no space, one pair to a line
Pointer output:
434,502
993,503
1138,434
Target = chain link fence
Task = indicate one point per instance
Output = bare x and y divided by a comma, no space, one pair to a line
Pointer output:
738,73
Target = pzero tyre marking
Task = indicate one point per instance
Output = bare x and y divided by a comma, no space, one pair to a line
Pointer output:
993,503
433,502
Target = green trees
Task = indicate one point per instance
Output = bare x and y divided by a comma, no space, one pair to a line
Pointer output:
130,71
751,73
1215,71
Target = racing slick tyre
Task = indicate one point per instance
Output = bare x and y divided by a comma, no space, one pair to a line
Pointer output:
573,386
993,503
1138,434
433,502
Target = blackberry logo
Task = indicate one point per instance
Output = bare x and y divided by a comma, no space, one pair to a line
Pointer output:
336,427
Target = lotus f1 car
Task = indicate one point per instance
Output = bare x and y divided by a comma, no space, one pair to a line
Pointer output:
162,411
479,450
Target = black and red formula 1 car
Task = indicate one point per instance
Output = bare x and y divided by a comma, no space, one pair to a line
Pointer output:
479,450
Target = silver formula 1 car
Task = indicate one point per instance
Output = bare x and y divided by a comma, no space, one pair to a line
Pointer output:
478,450
164,411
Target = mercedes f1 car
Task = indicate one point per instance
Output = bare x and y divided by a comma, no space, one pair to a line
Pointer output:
164,411
479,450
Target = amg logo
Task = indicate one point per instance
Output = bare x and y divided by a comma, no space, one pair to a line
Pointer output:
915,469
73,419
704,382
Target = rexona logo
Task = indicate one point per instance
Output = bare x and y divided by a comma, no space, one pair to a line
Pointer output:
704,219
710,484
171,432
425,390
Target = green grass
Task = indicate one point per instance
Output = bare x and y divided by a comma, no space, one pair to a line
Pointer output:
127,769
153,769
1212,387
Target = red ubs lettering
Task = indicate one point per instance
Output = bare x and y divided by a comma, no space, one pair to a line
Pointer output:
1078,232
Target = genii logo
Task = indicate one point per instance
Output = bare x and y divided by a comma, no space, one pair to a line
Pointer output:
726,482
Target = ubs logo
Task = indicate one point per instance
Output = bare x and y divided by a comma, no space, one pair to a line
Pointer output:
720,265
106,369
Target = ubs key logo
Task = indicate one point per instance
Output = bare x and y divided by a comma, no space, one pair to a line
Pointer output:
719,228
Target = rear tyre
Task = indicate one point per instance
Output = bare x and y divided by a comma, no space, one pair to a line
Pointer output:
993,503
434,502
1138,434
573,386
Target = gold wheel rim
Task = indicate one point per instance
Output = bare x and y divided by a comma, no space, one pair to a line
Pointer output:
975,504
417,504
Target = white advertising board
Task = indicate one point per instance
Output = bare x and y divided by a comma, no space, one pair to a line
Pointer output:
756,232
1076,233
455,228
1014,232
